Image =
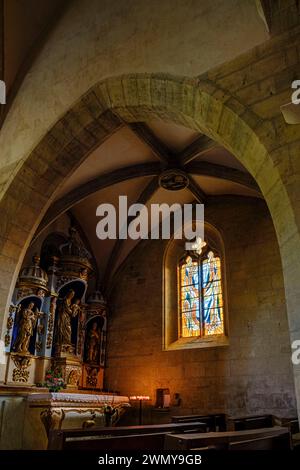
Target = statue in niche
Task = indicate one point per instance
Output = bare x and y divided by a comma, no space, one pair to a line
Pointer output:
93,343
66,311
27,324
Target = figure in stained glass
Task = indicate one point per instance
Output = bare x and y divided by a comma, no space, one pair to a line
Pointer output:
212,295
201,297
190,298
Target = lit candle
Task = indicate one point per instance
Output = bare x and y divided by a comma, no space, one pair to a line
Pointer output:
139,397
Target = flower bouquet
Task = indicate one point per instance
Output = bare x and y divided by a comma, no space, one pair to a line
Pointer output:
54,381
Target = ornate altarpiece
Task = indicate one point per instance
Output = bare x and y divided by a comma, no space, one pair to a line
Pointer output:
51,324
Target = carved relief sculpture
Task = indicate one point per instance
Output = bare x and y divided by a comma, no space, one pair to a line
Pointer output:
51,323
92,376
21,372
74,377
10,323
52,418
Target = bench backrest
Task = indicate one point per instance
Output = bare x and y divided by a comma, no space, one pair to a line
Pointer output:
214,422
281,442
61,439
153,442
292,424
220,439
250,422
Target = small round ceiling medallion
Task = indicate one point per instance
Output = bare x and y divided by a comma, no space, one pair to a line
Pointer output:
173,180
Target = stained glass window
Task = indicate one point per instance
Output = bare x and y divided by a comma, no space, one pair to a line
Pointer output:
201,296
190,298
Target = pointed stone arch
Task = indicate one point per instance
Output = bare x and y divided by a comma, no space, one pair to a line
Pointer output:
138,97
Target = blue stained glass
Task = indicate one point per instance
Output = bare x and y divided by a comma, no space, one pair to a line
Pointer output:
190,306
201,294
212,295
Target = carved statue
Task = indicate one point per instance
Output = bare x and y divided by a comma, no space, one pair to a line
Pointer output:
93,343
74,246
26,328
66,311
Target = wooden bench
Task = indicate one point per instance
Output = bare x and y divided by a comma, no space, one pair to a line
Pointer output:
277,442
293,426
222,439
214,422
133,437
132,442
244,423
291,423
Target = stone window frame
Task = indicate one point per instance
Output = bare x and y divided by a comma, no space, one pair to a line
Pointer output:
173,254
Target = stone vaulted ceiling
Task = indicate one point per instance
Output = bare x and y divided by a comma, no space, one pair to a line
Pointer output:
129,163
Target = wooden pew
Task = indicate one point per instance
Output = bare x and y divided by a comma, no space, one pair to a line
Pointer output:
133,437
291,423
221,439
278,442
131,442
214,422
244,423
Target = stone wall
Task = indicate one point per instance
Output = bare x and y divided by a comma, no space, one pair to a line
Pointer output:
94,40
251,375
236,103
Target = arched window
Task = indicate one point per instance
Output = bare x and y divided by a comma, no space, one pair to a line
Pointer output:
201,309
195,309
